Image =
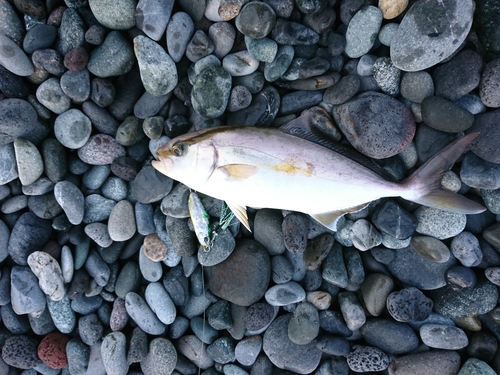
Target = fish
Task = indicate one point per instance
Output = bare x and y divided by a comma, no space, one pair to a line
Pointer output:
248,166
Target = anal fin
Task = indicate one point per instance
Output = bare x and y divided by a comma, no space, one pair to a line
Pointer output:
241,213
330,219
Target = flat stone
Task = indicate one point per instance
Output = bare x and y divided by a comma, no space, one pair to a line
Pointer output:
141,313
13,58
439,362
51,95
367,358
443,115
244,276
256,20
26,296
438,223
180,30
114,353
390,336
442,336
422,41
211,90
161,358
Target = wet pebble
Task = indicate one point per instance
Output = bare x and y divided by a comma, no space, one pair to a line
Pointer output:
431,248
409,305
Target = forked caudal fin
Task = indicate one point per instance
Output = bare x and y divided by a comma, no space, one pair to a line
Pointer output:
425,182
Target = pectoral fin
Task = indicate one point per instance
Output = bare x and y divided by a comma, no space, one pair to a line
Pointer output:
330,219
239,171
240,212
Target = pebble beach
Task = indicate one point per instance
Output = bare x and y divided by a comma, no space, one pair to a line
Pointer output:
101,271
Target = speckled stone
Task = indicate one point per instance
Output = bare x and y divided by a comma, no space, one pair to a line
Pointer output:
52,350
21,352
158,70
161,358
367,358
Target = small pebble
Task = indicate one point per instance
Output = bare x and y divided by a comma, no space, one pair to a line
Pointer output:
161,358
49,274
441,336
29,161
180,30
409,305
139,311
52,350
51,95
367,358
113,353
13,58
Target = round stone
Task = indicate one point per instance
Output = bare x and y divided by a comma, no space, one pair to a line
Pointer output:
52,350
390,336
304,324
362,31
443,115
71,200
244,276
431,248
367,358
29,161
180,30
439,224
161,358
21,352
256,20
100,149
114,353
440,336
51,95
409,305
115,56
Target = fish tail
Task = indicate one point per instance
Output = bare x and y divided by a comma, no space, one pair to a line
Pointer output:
424,185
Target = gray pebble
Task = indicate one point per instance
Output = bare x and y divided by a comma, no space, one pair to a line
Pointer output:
115,56
440,336
90,329
128,279
282,269
54,157
304,324
268,230
264,49
152,271
12,27
285,294
417,33
409,305
62,314
222,350
206,333
41,325
8,164
256,20
97,268
334,269
465,247
71,199
211,90
109,15
160,302
416,86
474,366
29,234
158,70
390,336
16,324
439,224
367,358
352,311
239,98
180,30
365,65
97,208
222,35
193,349
100,149
39,37
275,69
49,274
387,76
14,204
444,361
25,294
102,92
50,94
387,33
292,33
443,115
152,17
491,199
29,161
247,350
199,46
98,232
362,30
78,356
364,235
140,312
13,58
114,353
489,81
285,354
161,358
471,103
467,65
49,60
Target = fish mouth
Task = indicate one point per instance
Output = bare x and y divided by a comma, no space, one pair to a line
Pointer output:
164,166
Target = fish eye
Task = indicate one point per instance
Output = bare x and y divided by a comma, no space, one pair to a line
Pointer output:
179,149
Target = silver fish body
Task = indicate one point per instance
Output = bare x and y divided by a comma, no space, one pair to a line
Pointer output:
269,168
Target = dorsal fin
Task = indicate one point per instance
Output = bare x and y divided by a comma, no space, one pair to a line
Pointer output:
304,128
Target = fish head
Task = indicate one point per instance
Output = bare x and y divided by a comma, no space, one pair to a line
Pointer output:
187,159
